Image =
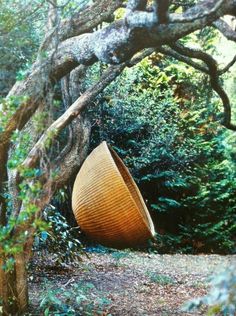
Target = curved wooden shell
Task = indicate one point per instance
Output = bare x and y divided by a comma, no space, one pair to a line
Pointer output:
107,203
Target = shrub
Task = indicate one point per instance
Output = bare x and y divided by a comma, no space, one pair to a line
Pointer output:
161,124
60,239
78,300
221,300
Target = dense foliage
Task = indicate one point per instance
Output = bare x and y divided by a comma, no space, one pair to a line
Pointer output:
155,116
221,300
78,300
59,240
21,27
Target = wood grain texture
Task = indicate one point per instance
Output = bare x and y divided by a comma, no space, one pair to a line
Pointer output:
107,203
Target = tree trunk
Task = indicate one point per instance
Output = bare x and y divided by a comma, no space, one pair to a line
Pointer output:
13,287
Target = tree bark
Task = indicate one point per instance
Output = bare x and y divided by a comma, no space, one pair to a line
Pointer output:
112,44
13,287
3,181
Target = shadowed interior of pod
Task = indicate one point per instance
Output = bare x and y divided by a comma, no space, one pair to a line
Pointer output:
131,185
107,203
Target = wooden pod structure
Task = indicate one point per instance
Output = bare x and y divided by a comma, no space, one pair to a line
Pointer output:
107,203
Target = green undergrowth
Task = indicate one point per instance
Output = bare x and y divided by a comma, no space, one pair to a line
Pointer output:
82,299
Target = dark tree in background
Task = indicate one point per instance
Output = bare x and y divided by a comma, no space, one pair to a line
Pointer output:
43,140
181,159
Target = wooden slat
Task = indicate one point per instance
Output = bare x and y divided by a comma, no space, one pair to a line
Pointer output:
107,203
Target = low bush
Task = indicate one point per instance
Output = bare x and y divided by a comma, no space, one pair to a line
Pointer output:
82,299
60,239
221,300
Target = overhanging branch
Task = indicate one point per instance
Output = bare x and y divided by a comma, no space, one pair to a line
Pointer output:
86,20
75,109
172,53
225,29
114,44
227,67
204,9
214,79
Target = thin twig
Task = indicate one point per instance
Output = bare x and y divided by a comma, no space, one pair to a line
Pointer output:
227,67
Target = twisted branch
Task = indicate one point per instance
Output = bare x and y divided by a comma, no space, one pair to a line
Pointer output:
79,105
225,29
214,79
205,9
172,53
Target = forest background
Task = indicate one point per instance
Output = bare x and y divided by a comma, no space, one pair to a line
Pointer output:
161,115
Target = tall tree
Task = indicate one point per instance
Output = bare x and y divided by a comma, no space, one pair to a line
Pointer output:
30,173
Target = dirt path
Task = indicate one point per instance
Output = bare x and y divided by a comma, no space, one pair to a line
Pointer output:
135,284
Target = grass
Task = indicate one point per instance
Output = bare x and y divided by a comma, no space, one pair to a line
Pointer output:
161,279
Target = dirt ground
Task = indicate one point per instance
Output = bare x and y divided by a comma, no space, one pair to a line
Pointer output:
127,283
